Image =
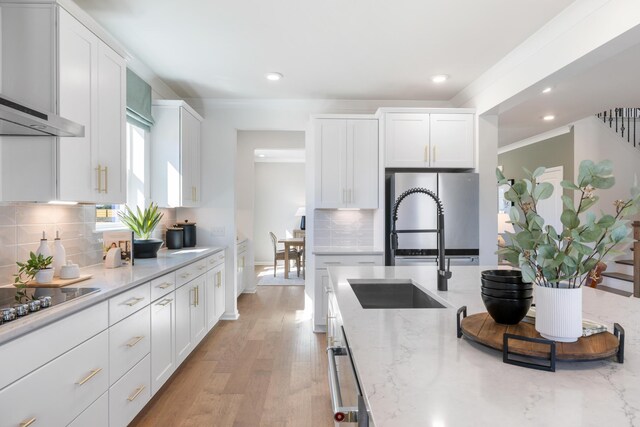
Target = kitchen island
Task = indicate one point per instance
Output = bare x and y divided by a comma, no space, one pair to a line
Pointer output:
414,371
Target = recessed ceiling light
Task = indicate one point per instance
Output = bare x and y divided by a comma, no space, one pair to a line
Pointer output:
274,77
260,155
548,118
546,90
440,78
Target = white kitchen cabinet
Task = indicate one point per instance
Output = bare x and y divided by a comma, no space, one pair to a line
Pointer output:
240,268
191,320
429,140
452,144
128,396
60,390
215,294
175,154
96,415
321,282
346,155
163,340
80,78
129,342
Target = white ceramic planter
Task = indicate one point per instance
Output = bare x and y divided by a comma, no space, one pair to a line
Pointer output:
559,313
45,275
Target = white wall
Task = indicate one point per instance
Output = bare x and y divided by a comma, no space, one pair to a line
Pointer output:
279,191
595,141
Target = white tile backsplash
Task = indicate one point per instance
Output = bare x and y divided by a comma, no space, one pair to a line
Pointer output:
343,228
21,227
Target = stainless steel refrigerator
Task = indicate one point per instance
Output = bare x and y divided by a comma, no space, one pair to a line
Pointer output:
459,195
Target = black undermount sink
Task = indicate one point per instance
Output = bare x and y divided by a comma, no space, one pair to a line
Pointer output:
392,295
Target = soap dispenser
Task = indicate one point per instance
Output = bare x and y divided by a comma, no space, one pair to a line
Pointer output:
59,255
43,249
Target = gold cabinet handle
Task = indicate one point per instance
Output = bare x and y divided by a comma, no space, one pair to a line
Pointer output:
219,278
164,285
135,340
133,301
426,154
135,394
106,179
185,275
165,301
99,172
28,422
202,267
92,374
195,297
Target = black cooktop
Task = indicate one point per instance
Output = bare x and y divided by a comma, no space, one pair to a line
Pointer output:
53,296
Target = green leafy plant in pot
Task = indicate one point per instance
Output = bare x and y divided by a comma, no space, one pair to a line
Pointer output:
559,262
142,223
37,267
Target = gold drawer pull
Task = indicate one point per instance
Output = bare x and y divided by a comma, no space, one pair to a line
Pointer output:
202,267
133,301
185,275
28,422
135,340
135,394
88,377
164,285
165,301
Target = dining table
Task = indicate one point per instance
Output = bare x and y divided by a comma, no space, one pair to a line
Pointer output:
290,242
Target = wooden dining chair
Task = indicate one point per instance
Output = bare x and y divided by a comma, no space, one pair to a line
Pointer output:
278,254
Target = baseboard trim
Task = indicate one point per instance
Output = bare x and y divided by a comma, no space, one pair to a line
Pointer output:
226,316
250,291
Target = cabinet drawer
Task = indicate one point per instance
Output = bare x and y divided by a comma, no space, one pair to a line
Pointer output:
190,272
128,303
59,338
128,396
215,260
163,285
59,391
324,261
129,342
96,415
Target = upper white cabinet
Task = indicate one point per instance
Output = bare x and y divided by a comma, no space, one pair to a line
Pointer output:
346,156
429,140
75,74
175,154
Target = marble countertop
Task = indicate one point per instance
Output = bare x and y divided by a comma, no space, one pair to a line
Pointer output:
414,371
110,282
347,250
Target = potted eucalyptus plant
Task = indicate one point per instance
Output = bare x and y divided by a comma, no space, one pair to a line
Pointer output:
559,262
142,223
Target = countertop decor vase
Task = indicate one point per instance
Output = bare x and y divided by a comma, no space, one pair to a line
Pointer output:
559,313
558,262
147,248
44,275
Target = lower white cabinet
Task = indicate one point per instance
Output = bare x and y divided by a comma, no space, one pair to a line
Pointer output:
215,295
163,340
322,278
129,342
59,391
96,415
128,396
191,322
242,260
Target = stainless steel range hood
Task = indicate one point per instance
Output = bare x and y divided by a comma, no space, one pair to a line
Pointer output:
17,119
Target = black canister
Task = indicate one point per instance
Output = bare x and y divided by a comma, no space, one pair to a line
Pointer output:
175,237
189,233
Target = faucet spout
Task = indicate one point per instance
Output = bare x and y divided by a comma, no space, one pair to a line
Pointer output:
444,273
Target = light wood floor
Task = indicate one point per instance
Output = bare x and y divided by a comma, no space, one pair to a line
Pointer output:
266,369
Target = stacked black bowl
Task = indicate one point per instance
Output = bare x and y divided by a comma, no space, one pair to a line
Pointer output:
506,297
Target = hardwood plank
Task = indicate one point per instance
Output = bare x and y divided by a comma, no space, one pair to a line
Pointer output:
266,369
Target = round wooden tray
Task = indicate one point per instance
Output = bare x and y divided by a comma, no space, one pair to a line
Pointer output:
483,329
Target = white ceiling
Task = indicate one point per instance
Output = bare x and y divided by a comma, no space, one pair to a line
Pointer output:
354,49
605,78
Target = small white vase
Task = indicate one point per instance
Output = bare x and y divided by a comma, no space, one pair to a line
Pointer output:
559,313
44,276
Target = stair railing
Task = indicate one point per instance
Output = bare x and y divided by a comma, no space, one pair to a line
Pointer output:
636,259
623,121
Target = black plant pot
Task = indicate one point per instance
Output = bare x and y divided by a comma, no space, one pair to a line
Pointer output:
146,248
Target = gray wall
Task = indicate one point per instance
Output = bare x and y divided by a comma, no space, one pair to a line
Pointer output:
556,151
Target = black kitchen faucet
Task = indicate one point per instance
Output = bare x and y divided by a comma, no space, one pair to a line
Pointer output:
443,275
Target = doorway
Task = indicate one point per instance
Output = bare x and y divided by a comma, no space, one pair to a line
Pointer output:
550,209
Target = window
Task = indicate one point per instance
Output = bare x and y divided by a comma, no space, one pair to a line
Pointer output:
138,187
